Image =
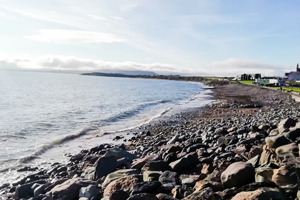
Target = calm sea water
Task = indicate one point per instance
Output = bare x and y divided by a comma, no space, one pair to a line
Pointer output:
41,111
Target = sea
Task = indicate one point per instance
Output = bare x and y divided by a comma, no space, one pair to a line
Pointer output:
45,116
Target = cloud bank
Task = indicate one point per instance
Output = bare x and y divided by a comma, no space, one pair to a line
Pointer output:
229,67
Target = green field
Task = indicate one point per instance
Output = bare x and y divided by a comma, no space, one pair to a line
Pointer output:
247,82
293,89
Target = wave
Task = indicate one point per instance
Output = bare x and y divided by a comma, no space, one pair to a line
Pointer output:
134,111
48,146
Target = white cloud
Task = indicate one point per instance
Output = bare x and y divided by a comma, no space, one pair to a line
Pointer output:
229,67
73,36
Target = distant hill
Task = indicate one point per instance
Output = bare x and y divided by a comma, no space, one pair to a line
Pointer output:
126,72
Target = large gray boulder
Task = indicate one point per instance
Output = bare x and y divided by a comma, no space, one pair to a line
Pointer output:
104,166
238,174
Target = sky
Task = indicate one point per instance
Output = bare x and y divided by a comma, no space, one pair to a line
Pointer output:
191,37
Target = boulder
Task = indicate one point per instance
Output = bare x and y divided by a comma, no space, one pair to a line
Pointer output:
168,180
120,153
146,187
238,174
104,166
185,162
155,166
143,196
118,195
68,189
287,123
118,174
276,141
140,162
205,194
293,134
89,191
26,190
151,175
162,196
286,176
288,148
261,194
125,183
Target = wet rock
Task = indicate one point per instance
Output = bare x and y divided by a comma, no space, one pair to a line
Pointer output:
237,174
146,187
118,174
104,166
126,184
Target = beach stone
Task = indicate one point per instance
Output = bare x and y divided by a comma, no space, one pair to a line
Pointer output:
195,147
288,148
25,190
264,173
174,139
125,183
168,179
118,174
276,141
151,175
118,195
293,134
89,191
254,151
188,181
40,189
254,161
184,162
120,153
143,196
287,123
146,187
88,173
162,196
69,189
237,174
261,194
104,166
140,162
205,194
155,166
286,176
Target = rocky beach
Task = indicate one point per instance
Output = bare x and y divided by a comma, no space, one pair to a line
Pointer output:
243,146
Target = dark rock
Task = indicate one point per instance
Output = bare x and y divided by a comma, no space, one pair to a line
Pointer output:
119,195
142,196
162,196
156,166
146,187
168,179
276,141
104,166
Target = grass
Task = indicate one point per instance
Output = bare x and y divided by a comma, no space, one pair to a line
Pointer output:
294,89
247,82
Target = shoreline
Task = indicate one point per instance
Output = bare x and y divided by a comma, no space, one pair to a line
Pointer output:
197,145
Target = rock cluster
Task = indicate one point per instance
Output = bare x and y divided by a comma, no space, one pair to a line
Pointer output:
230,151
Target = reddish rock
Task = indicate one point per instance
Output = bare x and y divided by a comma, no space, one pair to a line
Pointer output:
260,194
126,184
162,196
207,169
237,174
254,151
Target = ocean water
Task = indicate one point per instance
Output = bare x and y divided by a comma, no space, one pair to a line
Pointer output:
44,115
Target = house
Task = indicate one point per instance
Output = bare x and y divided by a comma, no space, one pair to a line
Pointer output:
294,76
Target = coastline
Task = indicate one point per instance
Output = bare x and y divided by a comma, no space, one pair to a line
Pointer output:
192,144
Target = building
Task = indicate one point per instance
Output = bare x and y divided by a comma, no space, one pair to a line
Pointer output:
294,76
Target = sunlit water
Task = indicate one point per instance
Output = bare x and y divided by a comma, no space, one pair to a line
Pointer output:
43,112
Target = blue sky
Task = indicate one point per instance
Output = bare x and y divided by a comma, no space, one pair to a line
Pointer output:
206,37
